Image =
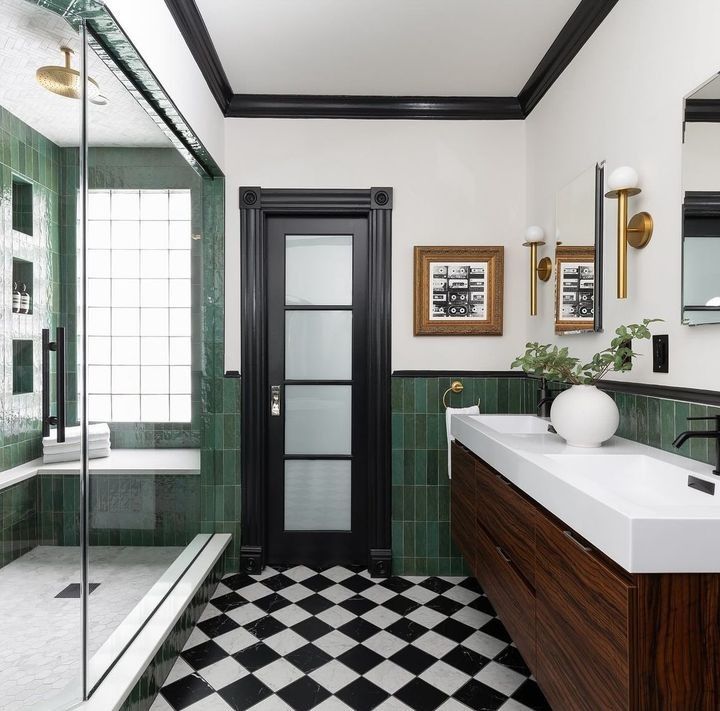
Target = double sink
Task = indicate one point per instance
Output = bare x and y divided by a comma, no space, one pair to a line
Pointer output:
648,510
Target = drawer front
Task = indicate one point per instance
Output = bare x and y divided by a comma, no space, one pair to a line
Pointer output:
462,502
584,618
510,595
509,518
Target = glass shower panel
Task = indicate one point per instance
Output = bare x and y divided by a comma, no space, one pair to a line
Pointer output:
40,555
143,198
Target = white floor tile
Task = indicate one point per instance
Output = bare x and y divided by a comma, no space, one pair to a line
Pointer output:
378,594
180,669
335,616
285,642
210,703
389,676
434,643
245,614
335,643
512,705
338,573
500,677
445,677
384,643
393,704
299,573
295,592
255,591
196,637
221,590
209,612
331,704
337,593
223,673
272,703
381,617
426,617
472,617
235,640
278,674
484,644
460,594
420,594
334,676
290,615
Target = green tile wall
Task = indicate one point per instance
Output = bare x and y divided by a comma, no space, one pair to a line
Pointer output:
421,539
18,520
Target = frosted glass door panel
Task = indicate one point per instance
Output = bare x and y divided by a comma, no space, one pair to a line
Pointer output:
318,269
318,345
317,495
318,419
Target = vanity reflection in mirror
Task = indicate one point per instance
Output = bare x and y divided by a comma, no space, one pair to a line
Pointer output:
578,254
701,206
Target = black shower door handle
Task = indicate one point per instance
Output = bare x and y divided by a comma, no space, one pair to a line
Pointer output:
58,345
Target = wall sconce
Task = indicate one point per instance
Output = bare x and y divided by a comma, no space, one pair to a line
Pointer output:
623,182
534,237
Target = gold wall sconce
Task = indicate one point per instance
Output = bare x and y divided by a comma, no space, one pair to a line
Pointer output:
534,238
623,183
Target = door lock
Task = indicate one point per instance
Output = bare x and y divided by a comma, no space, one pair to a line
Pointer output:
275,401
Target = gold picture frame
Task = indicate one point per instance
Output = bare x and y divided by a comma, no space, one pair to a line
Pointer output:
567,256
458,291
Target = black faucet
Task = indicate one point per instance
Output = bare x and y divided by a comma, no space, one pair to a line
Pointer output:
711,434
547,395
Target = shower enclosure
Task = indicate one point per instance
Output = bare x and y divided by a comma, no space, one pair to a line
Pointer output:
101,225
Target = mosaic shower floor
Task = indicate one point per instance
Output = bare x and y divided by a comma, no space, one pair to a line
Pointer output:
40,633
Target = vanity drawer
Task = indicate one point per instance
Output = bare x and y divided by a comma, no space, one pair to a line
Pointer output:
584,617
462,502
509,517
509,593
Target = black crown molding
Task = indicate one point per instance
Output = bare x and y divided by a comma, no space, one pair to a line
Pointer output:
702,110
577,30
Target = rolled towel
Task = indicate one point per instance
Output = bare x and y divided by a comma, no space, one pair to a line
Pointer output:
75,446
449,412
75,456
99,430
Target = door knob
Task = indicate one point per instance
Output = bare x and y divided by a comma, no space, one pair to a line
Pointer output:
275,401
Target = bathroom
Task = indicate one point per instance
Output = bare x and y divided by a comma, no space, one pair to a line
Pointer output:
225,469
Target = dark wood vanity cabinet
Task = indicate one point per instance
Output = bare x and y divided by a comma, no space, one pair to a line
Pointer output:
596,637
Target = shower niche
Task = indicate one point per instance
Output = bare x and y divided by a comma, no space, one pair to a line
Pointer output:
22,205
22,286
22,364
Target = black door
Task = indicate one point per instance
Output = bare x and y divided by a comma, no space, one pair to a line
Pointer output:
317,414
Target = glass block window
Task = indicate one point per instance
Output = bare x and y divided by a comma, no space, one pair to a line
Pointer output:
138,305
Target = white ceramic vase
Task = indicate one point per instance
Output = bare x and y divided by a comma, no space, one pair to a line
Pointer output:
584,416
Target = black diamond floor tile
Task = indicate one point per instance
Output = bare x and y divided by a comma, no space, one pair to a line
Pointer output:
73,590
362,695
304,694
368,646
186,691
479,696
203,655
308,658
421,696
245,692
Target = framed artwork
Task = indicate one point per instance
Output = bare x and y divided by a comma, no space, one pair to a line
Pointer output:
574,288
458,291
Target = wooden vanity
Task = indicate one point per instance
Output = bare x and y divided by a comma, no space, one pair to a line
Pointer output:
596,637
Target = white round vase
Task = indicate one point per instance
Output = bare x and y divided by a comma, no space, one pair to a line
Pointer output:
584,416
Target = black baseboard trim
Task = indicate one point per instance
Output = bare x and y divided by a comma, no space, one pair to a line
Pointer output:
458,374
664,392
380,563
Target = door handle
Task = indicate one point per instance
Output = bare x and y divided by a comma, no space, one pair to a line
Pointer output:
275,401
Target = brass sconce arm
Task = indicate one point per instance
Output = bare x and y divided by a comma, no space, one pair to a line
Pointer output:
538,270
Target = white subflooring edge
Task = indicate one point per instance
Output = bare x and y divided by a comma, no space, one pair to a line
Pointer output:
121,679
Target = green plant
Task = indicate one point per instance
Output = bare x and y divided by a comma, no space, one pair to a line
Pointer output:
556,364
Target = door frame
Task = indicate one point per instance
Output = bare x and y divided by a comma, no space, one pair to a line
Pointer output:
256,205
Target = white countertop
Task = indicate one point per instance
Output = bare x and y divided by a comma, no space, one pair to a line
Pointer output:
156,462
633,504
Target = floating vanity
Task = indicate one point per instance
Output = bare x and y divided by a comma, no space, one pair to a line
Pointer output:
603,564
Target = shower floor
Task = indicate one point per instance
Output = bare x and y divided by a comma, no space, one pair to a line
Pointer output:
40,634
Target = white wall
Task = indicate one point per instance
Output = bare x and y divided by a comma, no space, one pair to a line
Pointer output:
454,183
701,157
621,99
151,28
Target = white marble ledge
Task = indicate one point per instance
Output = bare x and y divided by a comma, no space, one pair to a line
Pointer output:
156,462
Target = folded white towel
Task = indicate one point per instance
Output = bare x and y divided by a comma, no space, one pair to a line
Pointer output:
449,412
72,434
103,443
74,456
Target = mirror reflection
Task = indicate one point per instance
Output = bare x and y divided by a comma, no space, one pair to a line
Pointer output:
701,206
578,231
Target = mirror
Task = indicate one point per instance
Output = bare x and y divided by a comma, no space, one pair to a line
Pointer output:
578,234
701,206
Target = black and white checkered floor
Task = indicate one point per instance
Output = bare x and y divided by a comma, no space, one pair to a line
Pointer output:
335,640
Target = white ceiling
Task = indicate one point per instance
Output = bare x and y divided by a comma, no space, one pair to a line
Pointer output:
30,37
383,47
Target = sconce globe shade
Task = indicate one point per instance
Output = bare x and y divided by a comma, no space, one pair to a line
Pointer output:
624,178
534,233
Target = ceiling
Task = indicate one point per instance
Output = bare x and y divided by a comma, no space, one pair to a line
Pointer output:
382,47
31,37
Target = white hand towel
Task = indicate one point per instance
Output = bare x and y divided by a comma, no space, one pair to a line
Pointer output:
75,456
72,434
75,446
449,412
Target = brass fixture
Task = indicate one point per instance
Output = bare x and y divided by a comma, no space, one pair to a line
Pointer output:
637,232
455,387
534,238
65,81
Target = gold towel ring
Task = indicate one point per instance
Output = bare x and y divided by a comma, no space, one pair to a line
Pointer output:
455,387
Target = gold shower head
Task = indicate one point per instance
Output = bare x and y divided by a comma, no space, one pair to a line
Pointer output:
65,81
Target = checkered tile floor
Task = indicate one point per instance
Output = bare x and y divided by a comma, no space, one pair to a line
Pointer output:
336,639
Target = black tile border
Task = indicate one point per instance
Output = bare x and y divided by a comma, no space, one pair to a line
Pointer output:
583,22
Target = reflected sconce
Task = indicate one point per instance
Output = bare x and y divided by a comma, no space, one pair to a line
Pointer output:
623,183
534,238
